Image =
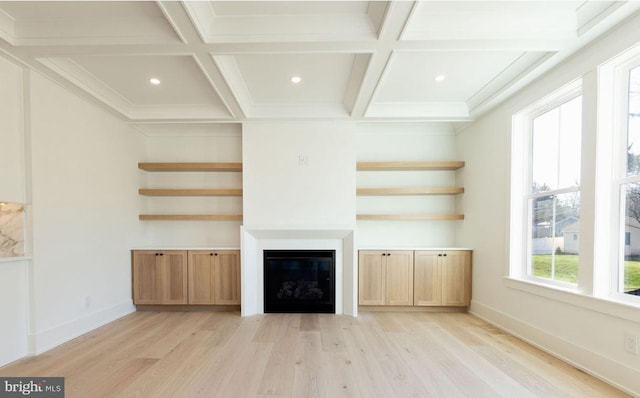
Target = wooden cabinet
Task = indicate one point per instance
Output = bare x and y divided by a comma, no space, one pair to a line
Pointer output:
456,278
385,277
159,277
414,278
214,277
442,278
196,277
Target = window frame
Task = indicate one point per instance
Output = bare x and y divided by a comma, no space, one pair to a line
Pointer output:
520,247
620,180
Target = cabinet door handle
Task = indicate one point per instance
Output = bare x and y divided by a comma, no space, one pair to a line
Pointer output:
439,254
162,254
211,254
157,254
216,254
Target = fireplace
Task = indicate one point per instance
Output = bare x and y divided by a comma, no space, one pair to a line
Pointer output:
299,281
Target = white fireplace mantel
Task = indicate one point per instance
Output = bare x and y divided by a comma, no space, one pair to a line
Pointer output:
255,240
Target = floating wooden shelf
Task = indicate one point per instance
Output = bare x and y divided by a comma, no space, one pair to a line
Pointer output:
408,166
190,166
190,192
409,217
409,191
190,217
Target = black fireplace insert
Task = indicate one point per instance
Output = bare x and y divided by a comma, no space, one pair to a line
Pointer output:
299,281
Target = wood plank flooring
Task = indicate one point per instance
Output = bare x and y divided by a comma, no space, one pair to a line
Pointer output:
378,354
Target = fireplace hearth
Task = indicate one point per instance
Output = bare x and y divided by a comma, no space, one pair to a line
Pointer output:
299,281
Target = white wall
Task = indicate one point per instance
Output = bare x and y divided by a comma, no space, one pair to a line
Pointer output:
12,177
13,272
85,207
586,332
191,143
299,174
406,142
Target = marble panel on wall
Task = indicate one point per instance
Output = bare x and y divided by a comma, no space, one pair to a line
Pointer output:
11,230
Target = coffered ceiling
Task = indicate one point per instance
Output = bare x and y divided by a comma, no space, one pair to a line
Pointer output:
355,60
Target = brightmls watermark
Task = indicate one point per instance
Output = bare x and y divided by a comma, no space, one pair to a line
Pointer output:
40,387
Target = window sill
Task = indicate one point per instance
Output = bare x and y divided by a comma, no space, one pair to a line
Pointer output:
610,306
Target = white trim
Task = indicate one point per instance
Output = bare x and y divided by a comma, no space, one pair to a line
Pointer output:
45,340
14,259
613,110
610,371
619,309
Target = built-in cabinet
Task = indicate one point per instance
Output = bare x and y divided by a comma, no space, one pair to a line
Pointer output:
385,277
442,278
214,277
187,277
159,277
414,278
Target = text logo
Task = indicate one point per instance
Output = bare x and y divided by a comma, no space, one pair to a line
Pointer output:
40,387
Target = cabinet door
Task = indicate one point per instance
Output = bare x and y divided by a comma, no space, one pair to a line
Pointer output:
174,277
427,278
399,277
226,276
456,282
201,277
146,277
371,277
159,277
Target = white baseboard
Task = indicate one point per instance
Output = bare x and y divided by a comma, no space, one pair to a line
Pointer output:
606,369
48,339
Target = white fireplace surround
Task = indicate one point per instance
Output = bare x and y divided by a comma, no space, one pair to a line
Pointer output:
255,240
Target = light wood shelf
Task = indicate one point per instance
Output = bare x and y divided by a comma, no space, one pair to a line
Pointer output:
190,217
409,217
409,166
236,166
409,191
190,192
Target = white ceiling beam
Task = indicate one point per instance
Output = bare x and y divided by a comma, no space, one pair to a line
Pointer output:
393,24
7,27
180,21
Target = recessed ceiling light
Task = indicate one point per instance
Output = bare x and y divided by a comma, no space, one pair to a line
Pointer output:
296,79
154,80
440,78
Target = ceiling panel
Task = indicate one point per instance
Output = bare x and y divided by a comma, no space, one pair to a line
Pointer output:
266,8
456,20
123,82
182,81
74,22
269,21
410,77
262,82
268,77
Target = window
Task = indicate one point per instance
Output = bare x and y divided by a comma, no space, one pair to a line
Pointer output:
554,198
628,272
546,163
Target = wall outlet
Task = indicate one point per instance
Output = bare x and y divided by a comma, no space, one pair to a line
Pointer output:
631,343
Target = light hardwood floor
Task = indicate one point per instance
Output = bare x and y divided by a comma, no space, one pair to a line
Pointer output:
378,354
